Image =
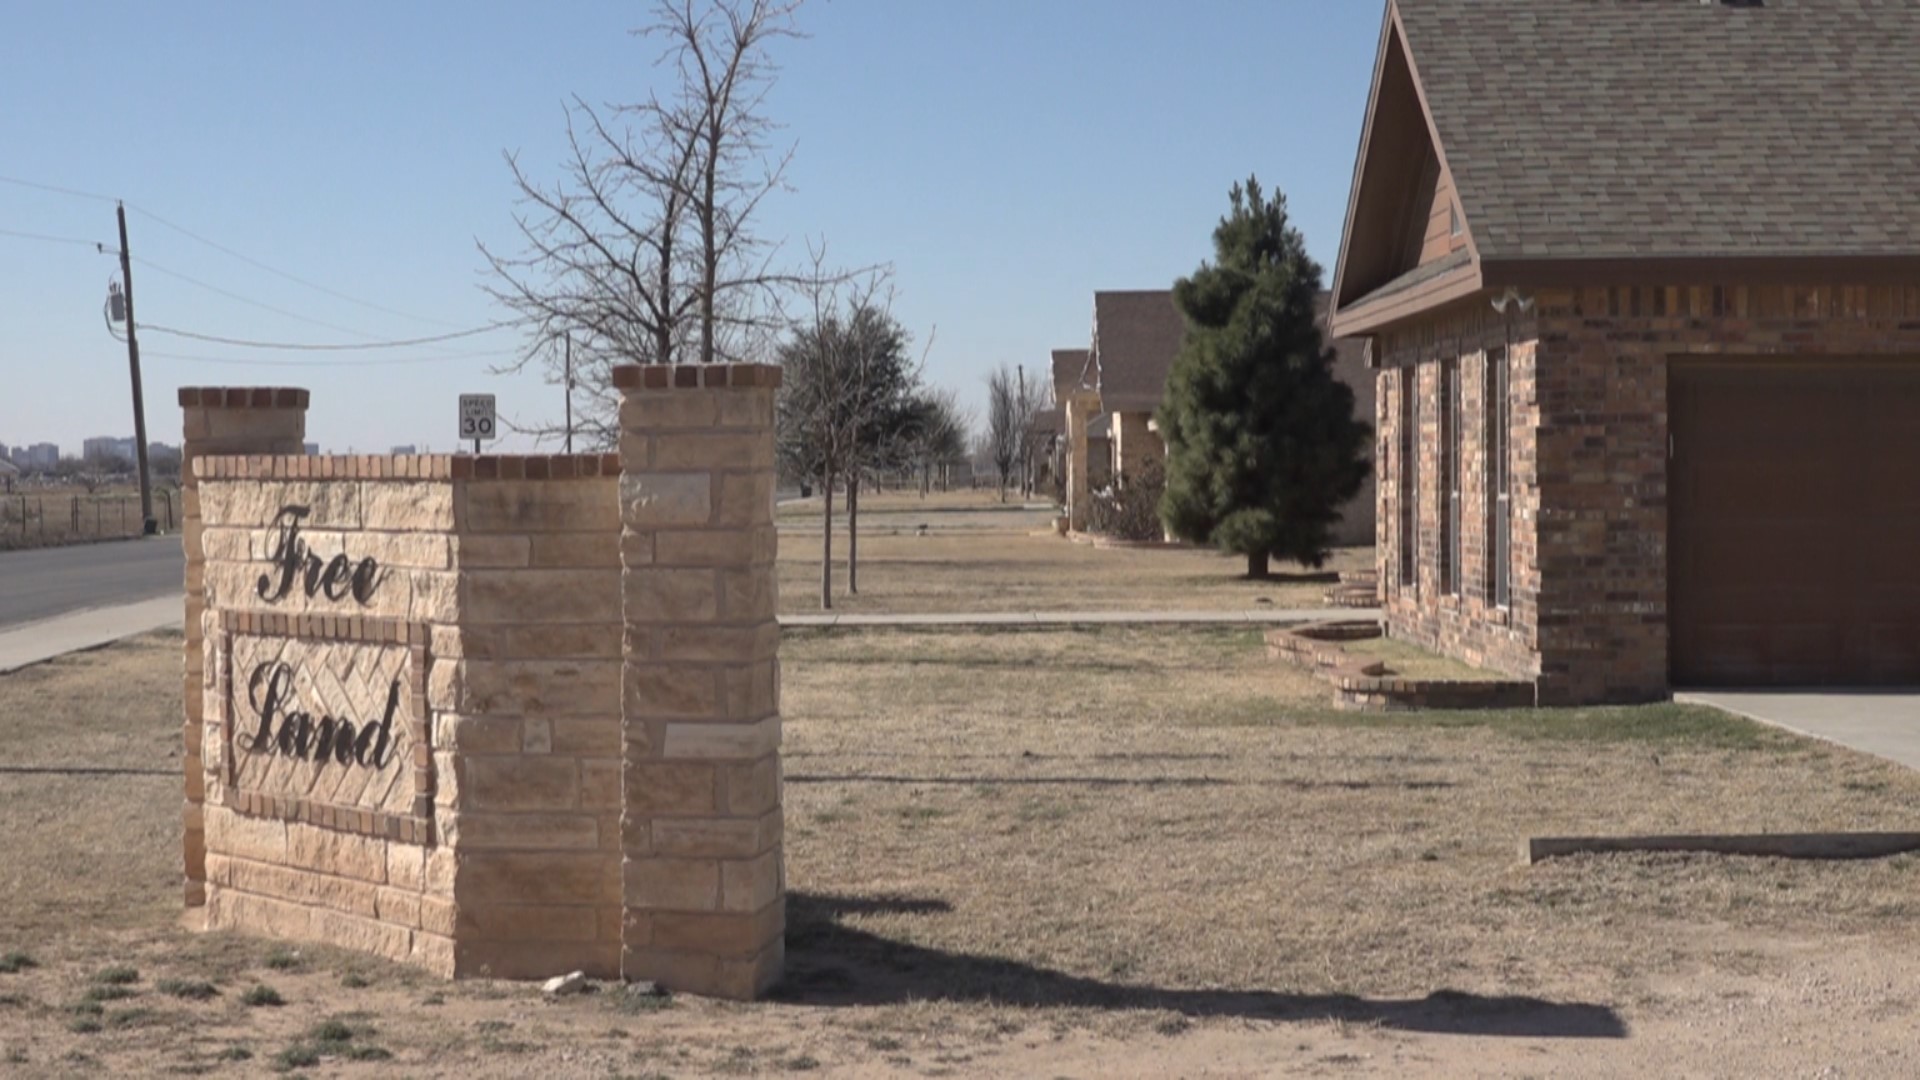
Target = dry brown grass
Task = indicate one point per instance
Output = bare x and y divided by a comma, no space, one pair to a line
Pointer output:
976,555
1008,848
1410,661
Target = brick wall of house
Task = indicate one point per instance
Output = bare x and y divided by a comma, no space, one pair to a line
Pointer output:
1466,624
1135,446
1356,525
1589,391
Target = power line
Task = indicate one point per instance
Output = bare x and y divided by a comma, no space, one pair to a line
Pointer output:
219,247
56,189
312,347
157,268
381,362
297,280
49,239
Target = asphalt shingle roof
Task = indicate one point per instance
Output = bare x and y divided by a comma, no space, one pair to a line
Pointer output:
1139,334
1070,372
1646,128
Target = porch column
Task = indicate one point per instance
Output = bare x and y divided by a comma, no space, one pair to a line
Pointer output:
1079,411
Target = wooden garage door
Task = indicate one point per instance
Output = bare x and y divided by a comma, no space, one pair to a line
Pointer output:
1794,502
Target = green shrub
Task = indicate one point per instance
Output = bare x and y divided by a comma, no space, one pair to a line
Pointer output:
297,1056
261,995
190,989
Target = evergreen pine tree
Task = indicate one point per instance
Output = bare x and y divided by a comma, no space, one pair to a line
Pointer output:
1262,444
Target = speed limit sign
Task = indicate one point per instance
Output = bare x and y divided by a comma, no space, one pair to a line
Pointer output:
476,417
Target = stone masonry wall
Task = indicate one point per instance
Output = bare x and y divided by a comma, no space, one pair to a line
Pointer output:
498,716
487,631
1591,445
217,420
705,890
527,692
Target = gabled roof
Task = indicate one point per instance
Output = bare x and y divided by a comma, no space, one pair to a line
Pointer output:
1136,336
1644,139
1070,373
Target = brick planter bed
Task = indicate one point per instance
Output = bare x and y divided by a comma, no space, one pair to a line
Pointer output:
1357,589
1361,685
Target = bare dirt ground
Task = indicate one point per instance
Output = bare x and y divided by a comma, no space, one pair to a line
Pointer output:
965,551
1126,852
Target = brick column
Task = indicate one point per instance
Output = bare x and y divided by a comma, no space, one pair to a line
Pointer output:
1079,411
1135,444
217,420
703,904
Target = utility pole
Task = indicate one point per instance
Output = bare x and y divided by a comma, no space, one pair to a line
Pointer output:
1026,427
569,341
149,525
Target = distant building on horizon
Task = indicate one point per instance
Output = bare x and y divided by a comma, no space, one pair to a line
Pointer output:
313,449
106,448
406,449
38,456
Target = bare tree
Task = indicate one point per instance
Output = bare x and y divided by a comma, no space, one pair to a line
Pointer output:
1033,398
644,251
719,49
846,378
934,436
1014,405
1005,431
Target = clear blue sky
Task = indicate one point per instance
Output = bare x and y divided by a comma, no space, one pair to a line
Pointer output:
1009,157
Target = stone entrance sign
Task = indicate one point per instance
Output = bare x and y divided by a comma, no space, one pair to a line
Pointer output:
506,716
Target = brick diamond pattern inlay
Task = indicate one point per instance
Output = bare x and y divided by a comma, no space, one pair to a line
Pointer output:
347,681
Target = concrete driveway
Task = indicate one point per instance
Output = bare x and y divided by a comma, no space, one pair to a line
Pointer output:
1881,722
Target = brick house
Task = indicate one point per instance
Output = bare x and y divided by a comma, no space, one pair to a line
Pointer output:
1137,335
1647,338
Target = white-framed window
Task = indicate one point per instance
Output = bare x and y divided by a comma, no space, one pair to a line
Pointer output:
1498,439
1452,436
1410,477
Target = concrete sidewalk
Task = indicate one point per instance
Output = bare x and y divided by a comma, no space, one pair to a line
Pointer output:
1883,723
31,643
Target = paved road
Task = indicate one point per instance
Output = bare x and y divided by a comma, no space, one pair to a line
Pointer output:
46,582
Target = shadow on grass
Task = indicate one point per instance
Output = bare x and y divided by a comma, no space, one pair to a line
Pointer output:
831,964
1306,577
1660,724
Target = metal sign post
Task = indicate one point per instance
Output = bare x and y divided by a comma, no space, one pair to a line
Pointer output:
477,419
